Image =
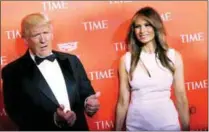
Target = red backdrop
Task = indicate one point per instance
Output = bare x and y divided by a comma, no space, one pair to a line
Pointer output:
95,31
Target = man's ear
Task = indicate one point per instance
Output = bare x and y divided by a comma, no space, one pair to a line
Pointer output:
25,41
51,27
52,36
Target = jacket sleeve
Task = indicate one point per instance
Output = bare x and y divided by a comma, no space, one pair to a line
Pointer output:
18,105
85,87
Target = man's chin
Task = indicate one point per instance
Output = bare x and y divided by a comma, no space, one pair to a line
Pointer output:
44,54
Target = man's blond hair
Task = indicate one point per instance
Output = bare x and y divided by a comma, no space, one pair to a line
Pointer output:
32,20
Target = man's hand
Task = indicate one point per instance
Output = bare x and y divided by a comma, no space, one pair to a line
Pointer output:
92,104
68,117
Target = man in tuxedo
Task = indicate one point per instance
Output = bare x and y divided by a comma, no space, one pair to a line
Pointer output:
45,89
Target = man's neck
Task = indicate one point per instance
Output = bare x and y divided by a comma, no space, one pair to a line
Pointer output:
34,54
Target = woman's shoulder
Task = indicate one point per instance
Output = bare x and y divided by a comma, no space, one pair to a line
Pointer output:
173,54
171,51
126,60
126,55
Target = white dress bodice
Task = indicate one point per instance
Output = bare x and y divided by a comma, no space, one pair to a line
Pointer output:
151,107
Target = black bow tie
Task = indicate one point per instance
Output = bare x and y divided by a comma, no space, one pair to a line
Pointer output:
39,59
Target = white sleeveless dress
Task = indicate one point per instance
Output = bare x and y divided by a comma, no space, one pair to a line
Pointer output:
151,107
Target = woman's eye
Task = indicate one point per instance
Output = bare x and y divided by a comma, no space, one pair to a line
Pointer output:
137,26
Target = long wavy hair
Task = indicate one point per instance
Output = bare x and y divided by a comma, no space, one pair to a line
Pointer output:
135,46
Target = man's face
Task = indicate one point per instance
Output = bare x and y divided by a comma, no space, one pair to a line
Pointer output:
40,40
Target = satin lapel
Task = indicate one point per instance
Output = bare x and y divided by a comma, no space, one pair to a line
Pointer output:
43,85
69,78
36,79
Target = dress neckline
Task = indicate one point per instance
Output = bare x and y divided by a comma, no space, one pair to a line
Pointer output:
147,53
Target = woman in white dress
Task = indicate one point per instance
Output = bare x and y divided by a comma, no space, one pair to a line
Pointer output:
146,74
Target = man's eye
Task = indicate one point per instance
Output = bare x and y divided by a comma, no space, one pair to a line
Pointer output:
147,25
34,35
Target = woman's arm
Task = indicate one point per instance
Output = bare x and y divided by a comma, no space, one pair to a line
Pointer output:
180,92
124,93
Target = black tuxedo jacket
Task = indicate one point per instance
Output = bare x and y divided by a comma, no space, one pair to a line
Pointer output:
28,99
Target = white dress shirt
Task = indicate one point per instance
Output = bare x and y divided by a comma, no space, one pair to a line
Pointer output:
53,75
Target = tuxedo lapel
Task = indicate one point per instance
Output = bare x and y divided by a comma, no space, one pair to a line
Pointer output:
68,76
43,85
36,80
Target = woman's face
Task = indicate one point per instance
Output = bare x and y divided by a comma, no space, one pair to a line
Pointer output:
144,31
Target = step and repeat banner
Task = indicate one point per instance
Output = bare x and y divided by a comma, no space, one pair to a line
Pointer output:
95,31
